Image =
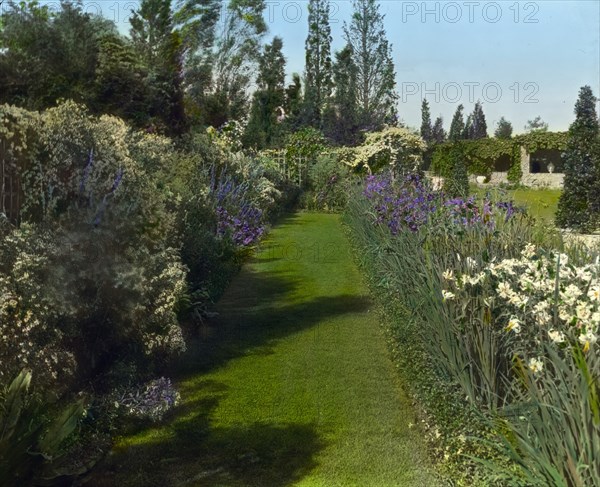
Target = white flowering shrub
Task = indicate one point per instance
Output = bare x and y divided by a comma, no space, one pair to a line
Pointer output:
395,148
29,335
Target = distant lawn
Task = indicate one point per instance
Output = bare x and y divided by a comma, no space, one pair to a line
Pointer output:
292,386
541,203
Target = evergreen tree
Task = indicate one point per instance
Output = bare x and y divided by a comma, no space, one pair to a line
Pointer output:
457,126
342,116
293,103
375,76
263,127
504,129
468,128
478,128
582,167
426,129
318,70
457,183
438,134
160,47
536,125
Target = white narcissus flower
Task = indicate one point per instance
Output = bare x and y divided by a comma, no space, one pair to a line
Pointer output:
514,325
596,317
556,336
447,295
504,290
448,275
471,263
564,314
543,318
518,300
541,306
594,293
583,311
536,365
477,279
571,293
587,340
528,251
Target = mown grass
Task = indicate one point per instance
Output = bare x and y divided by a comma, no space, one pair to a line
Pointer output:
292,386
540,203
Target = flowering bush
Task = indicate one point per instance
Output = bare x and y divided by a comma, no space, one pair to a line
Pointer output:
395,148
92,272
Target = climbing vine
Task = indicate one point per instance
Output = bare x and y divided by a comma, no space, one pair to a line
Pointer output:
480,155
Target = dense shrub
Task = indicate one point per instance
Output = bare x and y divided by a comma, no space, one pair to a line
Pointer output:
95,275
329,184
395,148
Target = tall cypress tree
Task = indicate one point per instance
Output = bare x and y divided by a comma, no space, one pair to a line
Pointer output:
426,129
263,127
342,116
468,129
293,103
457,126
438,134
582,167
478,124
375,75
318,83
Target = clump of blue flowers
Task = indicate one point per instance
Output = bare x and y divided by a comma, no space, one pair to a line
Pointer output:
237,218
151,400
411,202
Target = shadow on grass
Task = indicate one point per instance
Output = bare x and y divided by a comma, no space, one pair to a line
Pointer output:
256,312
186,450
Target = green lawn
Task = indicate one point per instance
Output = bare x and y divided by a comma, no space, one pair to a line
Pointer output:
293,386
541,203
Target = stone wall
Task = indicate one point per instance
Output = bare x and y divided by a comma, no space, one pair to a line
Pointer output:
543,180
538,180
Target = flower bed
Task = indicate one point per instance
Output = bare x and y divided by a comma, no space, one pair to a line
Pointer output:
496,321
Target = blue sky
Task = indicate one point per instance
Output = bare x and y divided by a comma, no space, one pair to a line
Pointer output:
520,58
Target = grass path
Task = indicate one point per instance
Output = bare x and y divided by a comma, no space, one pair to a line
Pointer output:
293,386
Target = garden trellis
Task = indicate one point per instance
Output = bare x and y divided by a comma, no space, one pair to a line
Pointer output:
293,168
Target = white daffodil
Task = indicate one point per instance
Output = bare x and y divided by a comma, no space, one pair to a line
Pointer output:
587,339
564,314
556,336
447,295
543,318
529,251
504,290
594,293
536,365
583,311
448,275
514,325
